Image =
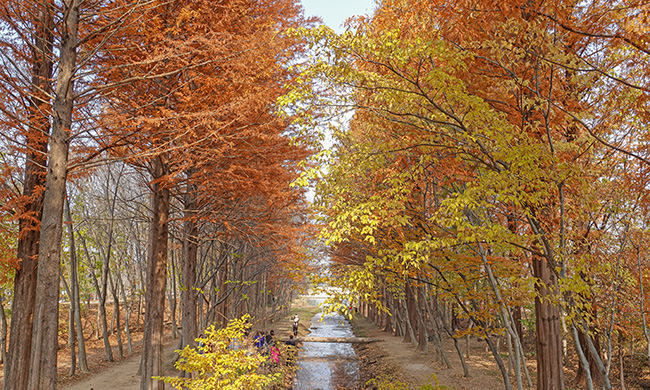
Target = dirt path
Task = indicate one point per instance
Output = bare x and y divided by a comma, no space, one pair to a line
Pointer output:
419,369
122,375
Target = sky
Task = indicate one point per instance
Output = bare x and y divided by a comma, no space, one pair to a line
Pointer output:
334,12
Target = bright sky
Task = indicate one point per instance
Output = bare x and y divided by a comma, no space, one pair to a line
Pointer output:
334,12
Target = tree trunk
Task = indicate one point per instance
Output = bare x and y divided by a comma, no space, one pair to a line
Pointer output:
621,366
116,311
172,297
127,313
189,331
71,331
550,373
46,312
152,347
646,332
101,303
74,299
17,364
3,332
580,375
439,318
516,319
223,278
423,335
409,315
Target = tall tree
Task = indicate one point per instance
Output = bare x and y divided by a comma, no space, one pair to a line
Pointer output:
33,90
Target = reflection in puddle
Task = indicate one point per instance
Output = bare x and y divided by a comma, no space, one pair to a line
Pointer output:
327,366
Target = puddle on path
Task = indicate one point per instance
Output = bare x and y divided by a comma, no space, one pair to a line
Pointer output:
327,366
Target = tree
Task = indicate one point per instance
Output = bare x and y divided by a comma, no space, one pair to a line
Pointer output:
209,123
30,122
462,132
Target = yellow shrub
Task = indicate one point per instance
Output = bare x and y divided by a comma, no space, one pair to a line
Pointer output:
224,360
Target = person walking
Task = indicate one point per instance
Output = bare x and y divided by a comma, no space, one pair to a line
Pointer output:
296,321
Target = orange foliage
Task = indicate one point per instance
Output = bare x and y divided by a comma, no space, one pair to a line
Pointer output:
210,110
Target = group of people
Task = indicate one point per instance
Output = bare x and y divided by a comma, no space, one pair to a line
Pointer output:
264,342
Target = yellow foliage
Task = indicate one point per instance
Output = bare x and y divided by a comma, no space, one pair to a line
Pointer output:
224,360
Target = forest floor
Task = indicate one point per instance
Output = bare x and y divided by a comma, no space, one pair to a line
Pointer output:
396,365
393,361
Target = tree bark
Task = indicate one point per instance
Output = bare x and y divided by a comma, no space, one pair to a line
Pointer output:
116,311
74,300
3,332
550,373
152,347
101,304
172,296
409,316
22,309
423,335
46,311
71,331
189,331
127,313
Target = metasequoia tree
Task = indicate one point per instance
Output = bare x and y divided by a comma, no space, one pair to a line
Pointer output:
26,118
42,98
207,127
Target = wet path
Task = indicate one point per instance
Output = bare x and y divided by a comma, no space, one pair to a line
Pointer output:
327,366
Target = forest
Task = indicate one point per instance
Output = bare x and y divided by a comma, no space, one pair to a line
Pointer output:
144,164
454,169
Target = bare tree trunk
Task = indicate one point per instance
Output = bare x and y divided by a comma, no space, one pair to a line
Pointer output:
71,329
505,316
409,335
223,278
74,299
116,311
17,364
399,322
409,315
172,297
497,357
436,322
127,314
46,311
3,332
621,366
101,304
646,333
582,358
189,331
423,335
152,346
